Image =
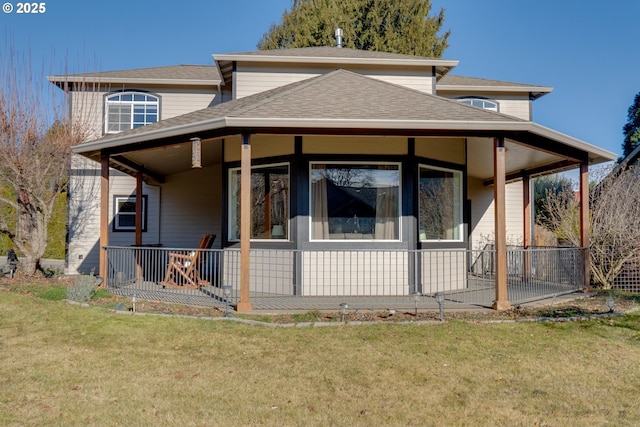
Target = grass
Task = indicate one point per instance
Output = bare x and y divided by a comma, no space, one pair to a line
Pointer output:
66,365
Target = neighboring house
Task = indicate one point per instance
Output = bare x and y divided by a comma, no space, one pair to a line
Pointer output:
344,149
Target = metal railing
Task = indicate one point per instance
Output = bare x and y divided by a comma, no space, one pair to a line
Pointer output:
366,279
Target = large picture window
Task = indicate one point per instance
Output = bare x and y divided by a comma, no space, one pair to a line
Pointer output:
355,201
440,204
269,202
125,213
128,110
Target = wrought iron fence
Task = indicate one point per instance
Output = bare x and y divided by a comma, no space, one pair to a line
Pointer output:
364,279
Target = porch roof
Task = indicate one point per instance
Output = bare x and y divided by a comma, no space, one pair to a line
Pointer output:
346,103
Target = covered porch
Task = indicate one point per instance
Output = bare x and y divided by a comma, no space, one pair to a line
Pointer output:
367,280
392,250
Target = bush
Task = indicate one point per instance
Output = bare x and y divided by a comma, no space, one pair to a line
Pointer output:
83,288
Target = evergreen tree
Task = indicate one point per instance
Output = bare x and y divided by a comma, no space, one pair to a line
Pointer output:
631,129
396,26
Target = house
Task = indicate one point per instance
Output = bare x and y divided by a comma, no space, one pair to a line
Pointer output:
371,173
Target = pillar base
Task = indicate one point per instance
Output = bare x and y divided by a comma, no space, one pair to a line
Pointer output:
501,305
244,307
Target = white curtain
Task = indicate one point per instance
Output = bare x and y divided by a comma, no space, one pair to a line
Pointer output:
385,214
320,214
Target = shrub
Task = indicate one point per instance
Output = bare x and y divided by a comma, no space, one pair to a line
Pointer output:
82,288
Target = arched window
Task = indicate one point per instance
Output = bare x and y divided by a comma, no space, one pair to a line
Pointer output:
128,110
480,103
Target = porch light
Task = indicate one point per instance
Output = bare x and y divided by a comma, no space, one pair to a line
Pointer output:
226,291
440,301
416,298
343,310
610,303
196,153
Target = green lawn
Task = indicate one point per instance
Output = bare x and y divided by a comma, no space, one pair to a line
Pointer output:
67,365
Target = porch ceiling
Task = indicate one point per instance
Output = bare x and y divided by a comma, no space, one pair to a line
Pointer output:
175,158
519,159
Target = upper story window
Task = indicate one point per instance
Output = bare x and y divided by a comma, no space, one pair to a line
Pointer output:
128,110
480,103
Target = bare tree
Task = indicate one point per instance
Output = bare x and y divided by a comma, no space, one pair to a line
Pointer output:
614,222
35,152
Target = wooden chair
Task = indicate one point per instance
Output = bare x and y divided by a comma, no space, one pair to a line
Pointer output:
183,269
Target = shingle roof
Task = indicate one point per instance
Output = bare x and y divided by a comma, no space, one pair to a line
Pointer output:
454,80
339,101
464,83
331,52
346,95
189,74
334,56
338,95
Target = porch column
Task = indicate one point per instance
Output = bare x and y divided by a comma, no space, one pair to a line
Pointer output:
104,216
526,222
499,182
244,305
584,226
138,208
138,242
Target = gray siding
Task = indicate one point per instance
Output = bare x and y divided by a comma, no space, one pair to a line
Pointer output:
83,214
191,206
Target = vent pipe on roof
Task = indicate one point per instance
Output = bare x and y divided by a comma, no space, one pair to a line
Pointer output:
338,37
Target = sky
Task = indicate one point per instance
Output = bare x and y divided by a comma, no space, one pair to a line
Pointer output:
584,49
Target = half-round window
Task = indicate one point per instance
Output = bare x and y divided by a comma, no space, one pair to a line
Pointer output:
481,103
129,110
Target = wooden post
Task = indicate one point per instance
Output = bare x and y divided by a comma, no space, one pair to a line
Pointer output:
499,183
104,216
138,242
584,226
244,305
138,208
526,222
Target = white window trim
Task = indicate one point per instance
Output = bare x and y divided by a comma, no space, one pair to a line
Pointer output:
460,203
132,103
117,214
484,100
230,212
357,162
